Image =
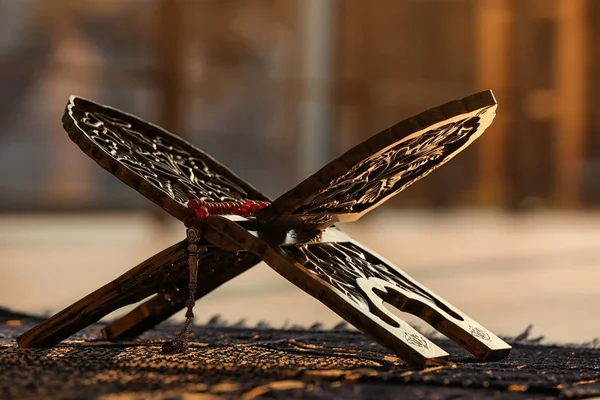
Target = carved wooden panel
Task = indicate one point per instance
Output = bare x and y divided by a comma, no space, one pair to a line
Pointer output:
365,278
163,167
384,165
355,282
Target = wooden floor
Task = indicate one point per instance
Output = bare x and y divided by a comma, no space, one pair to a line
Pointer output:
504,271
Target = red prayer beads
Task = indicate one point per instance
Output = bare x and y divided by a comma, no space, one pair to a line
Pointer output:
201,209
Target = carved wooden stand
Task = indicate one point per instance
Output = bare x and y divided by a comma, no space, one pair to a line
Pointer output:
295,235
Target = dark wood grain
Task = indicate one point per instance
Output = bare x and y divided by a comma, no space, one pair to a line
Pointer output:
171,299
135,285
161,274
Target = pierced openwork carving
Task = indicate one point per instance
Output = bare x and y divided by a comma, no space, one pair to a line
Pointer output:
360,277
391,171
160,161
161,166
342,264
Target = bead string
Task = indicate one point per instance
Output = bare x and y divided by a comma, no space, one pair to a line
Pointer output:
201,209
181,341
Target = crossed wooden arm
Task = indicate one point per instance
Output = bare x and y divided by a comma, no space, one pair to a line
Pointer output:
296,234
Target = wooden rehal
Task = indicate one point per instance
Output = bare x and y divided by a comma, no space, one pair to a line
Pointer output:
295,235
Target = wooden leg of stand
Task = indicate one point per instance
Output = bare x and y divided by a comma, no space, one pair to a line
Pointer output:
147,315
135,285
220,268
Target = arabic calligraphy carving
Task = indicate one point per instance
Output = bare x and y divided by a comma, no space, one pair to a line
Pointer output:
392,170
479,333
416,340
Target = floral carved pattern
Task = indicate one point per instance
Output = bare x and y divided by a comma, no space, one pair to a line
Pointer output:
167,163
341,264
391,171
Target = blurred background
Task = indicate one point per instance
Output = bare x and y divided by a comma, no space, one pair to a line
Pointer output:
508,231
